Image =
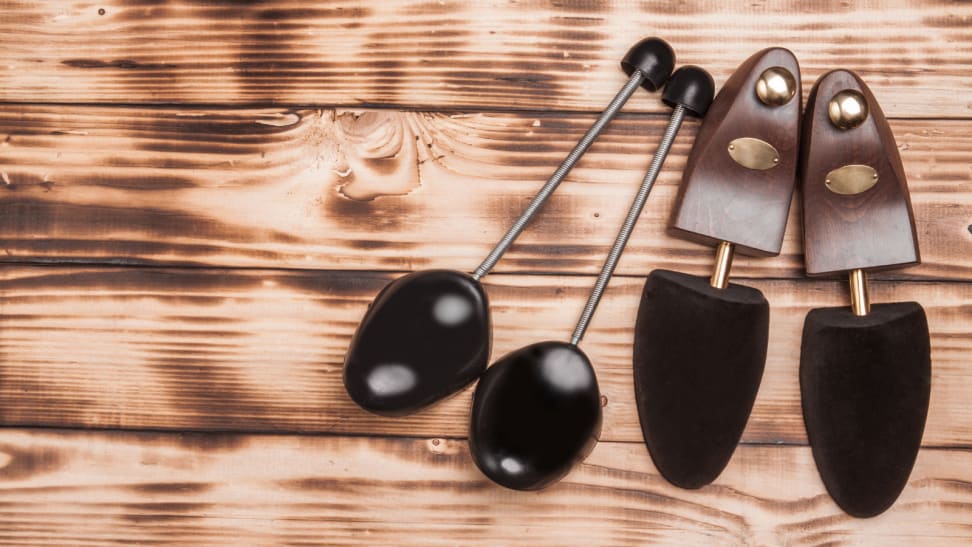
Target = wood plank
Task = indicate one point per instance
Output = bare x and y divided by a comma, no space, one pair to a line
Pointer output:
263,350
389,190
499,54
67,487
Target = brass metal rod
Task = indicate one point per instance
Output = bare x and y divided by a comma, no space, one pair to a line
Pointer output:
720,275
860,303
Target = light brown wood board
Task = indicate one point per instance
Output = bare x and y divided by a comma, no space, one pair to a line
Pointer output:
256,350
391,190
534,54
59,487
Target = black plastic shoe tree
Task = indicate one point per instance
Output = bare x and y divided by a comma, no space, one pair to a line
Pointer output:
700,343
427,334
537,411
865,372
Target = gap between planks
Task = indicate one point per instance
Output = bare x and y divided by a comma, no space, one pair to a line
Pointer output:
113,264
355,435
409,108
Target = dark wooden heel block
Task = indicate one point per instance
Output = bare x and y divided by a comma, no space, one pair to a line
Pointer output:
721,200
874,228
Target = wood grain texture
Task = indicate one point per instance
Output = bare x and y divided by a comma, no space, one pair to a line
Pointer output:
537,55
390,190
871,230
263,350
234,148
63,487
720,199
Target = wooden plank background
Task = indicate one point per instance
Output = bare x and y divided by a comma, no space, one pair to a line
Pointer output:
200,198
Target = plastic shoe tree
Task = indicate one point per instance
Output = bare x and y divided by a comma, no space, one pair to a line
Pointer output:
700,343
865,371
537,411
427,334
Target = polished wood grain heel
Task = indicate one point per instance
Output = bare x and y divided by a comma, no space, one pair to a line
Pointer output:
861,217
740,176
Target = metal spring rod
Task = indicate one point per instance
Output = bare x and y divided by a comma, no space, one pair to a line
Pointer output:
609,113
678,114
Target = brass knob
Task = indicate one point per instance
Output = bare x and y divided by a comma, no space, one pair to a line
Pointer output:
775,86
847,109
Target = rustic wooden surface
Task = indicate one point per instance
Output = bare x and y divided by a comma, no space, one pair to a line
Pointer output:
70,486
199,199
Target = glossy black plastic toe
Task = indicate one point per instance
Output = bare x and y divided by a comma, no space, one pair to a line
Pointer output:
536,412
699,354
654,58
865,384
425,336
691,87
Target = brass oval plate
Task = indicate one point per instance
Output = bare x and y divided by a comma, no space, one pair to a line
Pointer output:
754,153
851,179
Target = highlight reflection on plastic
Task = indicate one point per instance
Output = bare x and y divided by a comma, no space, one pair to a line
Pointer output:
392,379
452,310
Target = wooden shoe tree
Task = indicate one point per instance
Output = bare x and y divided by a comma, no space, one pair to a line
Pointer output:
700,343
865,371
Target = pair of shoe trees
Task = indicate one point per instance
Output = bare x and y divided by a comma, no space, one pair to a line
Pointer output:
700,343
536,411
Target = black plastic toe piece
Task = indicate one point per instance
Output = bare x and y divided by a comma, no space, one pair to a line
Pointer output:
425,337
536,413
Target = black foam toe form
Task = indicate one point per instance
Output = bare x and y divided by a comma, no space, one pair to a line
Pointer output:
699,354
425,337
865,383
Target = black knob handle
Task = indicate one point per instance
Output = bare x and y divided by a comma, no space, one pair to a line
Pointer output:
691,87
654,58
